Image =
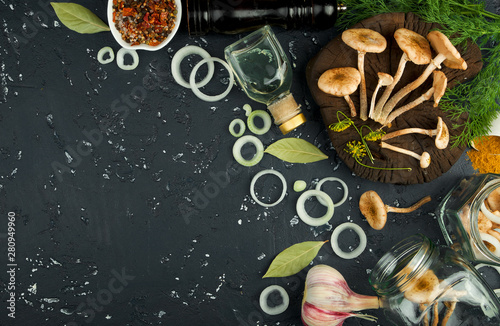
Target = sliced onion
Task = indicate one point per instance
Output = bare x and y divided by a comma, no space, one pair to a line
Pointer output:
264,116
176,65
248,109
233,124
492,217
335,240
102,52
257,176
205,97
493,241
306,218
299,185
238,145
120,59
346,190
276,310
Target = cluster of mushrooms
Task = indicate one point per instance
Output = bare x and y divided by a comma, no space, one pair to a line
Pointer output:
344,81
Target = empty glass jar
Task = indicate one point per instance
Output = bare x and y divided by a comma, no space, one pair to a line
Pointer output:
460,215
420,283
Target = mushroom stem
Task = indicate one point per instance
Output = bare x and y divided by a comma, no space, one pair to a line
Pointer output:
351,105
410,209
435,313
425,158
441,133
385,96
383,80
450,307
396,113
363,105
435,64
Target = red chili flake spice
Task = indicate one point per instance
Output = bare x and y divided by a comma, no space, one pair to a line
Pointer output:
144,22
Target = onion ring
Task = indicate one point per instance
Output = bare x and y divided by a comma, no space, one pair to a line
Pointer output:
276,310
120,59
491,240
492,217
264,116
257,176
306,218
205,97
248,109
176,65
346,190
335,240
240,123
238,145
102,52
299,186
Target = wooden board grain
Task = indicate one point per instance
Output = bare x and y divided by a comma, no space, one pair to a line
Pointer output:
337,54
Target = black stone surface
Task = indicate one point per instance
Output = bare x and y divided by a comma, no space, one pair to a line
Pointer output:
115,178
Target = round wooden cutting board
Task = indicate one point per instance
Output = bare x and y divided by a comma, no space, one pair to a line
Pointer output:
337,54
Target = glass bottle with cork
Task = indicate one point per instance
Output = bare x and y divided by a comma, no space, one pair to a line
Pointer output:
265,74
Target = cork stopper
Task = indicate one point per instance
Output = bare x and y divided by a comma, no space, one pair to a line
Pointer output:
286,113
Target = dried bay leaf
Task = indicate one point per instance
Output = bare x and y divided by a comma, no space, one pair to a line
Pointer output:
293,259
295,150
79,18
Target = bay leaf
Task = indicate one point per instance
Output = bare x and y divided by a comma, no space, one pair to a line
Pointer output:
295,150
293,259
78,18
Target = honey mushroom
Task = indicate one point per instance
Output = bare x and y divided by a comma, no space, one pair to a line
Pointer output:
438,88
446,54
375,211
424,159
441,133
383,80
416,49
341,82
364,41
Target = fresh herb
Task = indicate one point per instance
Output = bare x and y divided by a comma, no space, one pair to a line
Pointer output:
293,259
79,18
295,150
462,19
357,150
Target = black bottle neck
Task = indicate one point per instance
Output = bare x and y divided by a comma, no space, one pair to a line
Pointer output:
235,16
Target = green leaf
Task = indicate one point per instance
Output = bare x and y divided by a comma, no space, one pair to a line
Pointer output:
79,18
293,259
295,150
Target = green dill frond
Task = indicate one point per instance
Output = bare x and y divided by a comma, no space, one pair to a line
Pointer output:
341,125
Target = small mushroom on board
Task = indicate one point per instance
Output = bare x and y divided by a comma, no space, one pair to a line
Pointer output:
425,158
441,133
364,41
416,49
447,54
341,82
438,88
375,211
383,80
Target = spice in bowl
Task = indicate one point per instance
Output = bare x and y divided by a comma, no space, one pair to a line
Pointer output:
144,22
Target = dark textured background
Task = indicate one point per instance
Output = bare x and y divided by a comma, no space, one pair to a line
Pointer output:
140,195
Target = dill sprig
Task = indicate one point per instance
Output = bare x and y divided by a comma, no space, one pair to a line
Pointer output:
464,19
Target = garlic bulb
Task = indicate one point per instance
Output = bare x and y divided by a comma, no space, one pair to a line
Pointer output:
328,300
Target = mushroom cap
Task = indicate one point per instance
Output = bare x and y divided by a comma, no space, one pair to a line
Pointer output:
441,44
493,200
339,81
415,46
425,160
439,84
373,209
384,79
443,134
364,40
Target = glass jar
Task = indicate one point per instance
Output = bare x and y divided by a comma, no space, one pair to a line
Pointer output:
459,214
420,283
265,74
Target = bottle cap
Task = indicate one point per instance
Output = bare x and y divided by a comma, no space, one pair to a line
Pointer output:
293,123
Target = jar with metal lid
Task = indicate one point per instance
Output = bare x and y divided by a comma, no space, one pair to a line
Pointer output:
420,283
467,218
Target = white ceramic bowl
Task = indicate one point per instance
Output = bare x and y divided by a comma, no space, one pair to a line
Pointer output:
118,36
